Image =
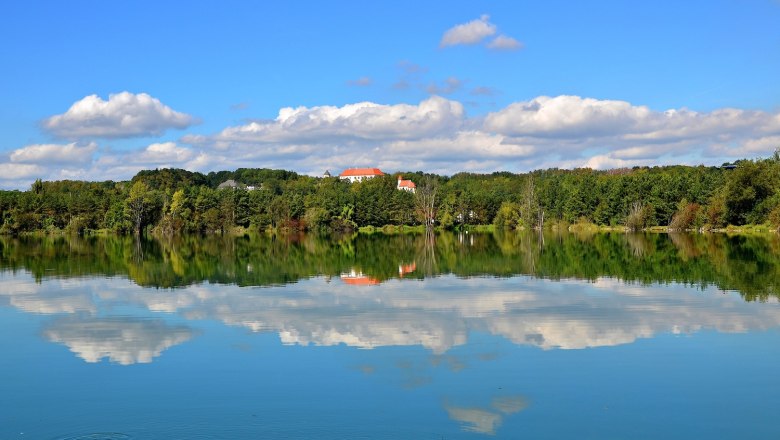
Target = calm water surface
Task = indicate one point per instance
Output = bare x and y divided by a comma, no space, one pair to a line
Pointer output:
457,336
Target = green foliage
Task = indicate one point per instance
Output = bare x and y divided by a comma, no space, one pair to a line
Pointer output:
508,216
774,217
142,206
169,179
172,201
316,218
747,190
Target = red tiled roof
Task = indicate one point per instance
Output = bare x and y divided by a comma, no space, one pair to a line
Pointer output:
406,184
407,268
360,281
362,172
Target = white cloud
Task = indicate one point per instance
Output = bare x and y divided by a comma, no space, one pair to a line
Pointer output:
472,32
758,147
363,121
502,42
433,135
55,153
121,165
608,161
618,133
122,115
566,116
14,171
462,146
161,153
475,32
436,135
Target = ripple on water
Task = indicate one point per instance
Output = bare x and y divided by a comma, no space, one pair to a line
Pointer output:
98,436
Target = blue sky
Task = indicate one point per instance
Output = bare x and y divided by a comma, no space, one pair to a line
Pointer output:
461,86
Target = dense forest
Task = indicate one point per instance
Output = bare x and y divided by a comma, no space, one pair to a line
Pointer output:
173,201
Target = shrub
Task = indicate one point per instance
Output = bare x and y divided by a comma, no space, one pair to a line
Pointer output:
637,216
774,217
508,216
686,217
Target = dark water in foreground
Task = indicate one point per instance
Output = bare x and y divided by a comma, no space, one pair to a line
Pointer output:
454,336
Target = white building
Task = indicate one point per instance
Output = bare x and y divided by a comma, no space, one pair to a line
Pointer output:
406,185
360,174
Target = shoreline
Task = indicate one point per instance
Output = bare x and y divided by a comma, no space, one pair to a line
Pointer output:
420,229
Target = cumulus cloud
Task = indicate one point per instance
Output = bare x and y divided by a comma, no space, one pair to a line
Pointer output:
123,164
609,161
475,32
750,148
87,162
55,153
623,134
564,116
472,32
434,135
311,140
463,146
361,121
122,115
162,153
13,171
502,42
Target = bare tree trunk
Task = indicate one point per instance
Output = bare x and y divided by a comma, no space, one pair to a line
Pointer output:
425,202
532,213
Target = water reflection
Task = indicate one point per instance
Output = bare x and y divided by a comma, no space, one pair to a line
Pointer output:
61,296
121,340
437,314
475,419
440,297
747,264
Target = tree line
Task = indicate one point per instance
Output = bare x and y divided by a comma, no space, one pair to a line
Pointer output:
175,201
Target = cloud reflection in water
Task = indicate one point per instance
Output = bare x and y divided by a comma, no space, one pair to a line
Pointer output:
437,313
122,340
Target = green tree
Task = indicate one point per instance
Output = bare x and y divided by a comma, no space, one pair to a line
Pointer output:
140,206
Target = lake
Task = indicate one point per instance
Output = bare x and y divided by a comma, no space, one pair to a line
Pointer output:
451,336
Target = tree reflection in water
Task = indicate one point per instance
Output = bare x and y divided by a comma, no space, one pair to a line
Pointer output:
748,264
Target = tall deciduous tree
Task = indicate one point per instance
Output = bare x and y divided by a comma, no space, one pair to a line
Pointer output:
139,206
425,202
